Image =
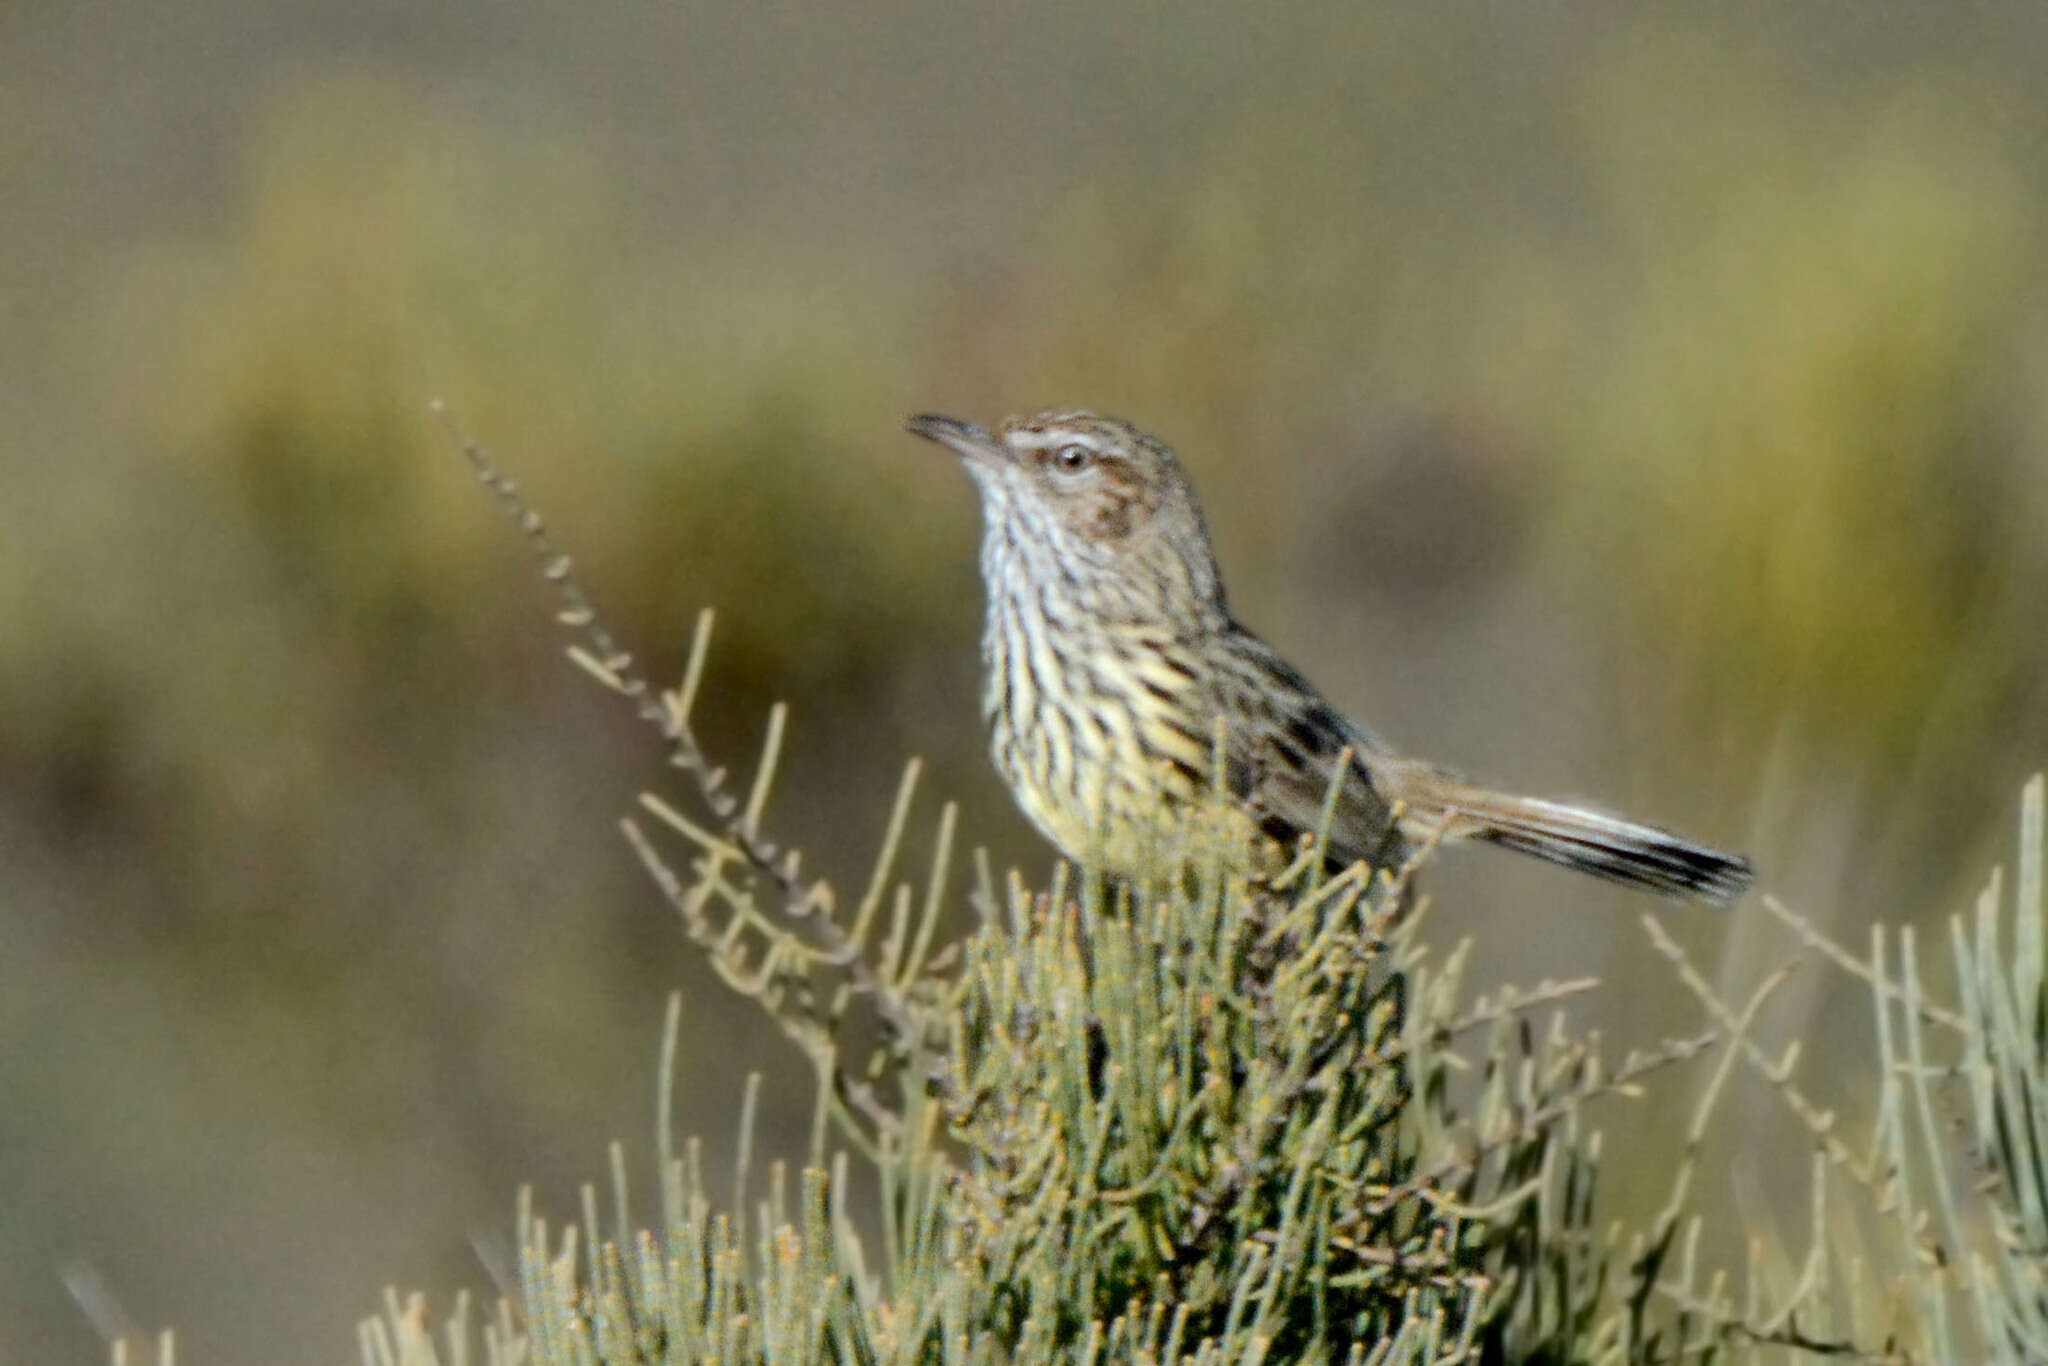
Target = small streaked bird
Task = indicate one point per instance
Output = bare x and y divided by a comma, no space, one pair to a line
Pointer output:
1113,663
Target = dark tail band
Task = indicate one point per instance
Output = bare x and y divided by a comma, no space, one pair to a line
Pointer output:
1594,842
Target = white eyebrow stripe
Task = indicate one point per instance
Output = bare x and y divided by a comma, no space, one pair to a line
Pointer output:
1058,436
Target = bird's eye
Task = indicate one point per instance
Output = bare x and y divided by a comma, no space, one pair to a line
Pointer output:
1072,459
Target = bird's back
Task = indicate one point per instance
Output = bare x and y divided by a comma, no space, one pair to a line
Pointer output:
1292,756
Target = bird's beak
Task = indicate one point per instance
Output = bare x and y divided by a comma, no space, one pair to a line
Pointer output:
971,443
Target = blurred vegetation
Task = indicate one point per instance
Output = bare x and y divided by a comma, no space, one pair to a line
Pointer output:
1650,408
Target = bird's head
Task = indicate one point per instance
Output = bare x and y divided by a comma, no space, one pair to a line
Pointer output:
1087,496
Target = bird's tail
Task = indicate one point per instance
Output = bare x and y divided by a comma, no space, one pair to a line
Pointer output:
1578,837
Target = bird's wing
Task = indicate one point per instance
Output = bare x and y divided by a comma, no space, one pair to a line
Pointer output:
1283,755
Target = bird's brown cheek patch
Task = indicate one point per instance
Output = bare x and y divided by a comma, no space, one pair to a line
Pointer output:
1113,518
1117,510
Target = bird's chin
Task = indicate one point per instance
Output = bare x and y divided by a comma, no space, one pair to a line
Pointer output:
992,481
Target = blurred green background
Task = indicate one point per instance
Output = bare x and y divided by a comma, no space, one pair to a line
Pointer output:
1635,402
